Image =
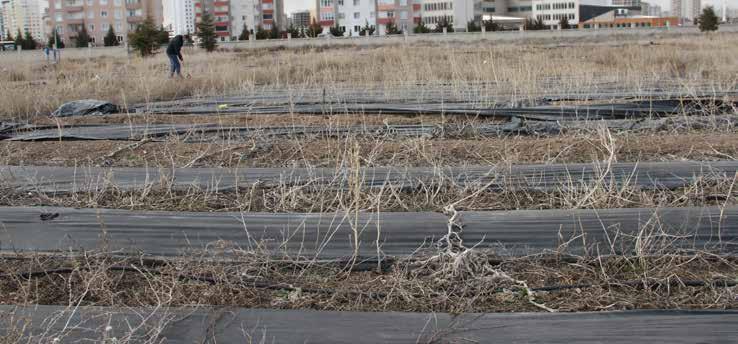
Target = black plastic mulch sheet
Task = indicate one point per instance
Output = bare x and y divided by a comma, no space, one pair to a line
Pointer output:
330,235
44,324
646,175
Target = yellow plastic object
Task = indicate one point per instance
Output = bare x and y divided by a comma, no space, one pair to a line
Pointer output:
222,106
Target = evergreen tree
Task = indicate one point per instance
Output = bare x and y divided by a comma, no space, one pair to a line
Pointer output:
535,24
314,30
295,32
473,27
18,39
162,36
367,30
708,20
261,33
337,31
206,33
83,38
9,36
111,39
244,36
564,24
392,29
28,42
421,27
145,38
274,33
490,26
443,23
55,38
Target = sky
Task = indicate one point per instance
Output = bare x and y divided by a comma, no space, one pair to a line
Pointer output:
295,5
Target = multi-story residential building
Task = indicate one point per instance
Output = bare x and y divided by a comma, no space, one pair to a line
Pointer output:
267,14
231,15
221,12
398,12
651,10
686,9
23,16
433,12
352,15
627,3
179,16
462,12
301,19
3,32
68,17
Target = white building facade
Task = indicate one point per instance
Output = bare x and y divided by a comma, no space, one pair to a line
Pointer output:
353,15
179,16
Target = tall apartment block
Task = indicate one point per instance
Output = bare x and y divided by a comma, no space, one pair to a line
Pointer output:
301,19
352,15
686,9
68,17
179,16
23,15
231,15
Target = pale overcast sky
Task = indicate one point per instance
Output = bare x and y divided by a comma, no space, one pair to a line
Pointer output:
295,5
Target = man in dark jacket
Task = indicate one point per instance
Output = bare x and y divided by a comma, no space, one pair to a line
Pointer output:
174,51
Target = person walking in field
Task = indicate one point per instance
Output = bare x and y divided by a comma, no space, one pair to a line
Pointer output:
174,52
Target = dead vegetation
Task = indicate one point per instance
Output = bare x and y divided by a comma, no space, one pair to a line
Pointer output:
470,281
521,71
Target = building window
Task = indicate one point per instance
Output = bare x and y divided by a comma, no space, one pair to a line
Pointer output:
357,2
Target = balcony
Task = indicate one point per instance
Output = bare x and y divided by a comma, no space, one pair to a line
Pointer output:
75,21
72,9
220,3
134,5
135,19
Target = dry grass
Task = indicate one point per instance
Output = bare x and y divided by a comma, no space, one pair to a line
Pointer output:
428,195
316,151
469,281
520,71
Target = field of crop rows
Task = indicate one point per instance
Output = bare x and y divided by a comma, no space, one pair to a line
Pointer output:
392,212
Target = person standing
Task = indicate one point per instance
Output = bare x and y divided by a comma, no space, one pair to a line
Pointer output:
174,52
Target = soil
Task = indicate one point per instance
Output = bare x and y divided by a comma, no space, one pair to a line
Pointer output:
483,283
329,152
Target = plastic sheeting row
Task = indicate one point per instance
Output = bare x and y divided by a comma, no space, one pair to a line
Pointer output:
330,235
52,324
646,175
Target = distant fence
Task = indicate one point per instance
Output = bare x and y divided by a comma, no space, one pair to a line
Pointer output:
32,56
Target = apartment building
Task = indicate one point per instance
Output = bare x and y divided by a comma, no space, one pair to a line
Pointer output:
686,9
651,10
179,16
231,15
577,11
3,32
267,14
23,16
433,12
68,17
627,3
352,15
465,11
301,19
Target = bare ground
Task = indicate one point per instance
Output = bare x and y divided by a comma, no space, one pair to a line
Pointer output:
327,152
467,281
